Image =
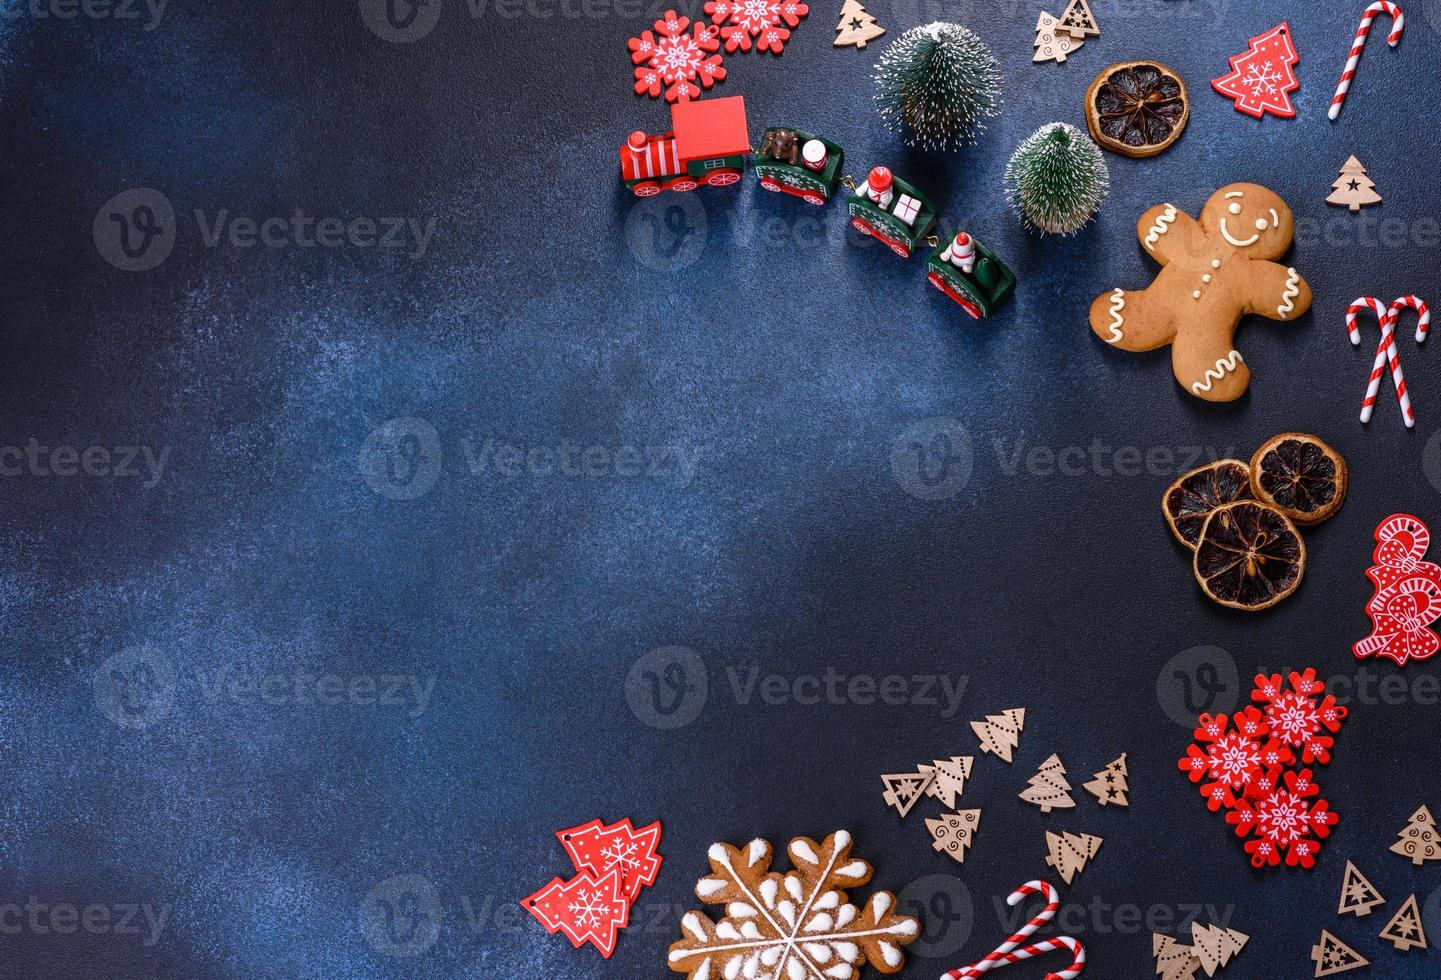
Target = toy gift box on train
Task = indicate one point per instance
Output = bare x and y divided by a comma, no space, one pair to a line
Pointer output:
709,143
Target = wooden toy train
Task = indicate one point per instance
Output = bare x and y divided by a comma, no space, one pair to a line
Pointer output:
708,145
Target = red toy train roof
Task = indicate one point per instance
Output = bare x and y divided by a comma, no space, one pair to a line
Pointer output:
710,128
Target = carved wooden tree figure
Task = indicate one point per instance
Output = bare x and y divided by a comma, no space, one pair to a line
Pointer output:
950,781
1052,43
1110,784
1354,188
1174,960
904,789
1048,788
1000,734
856,26
954,833
1358,895
1405,930
1216,946
1068,853
1419,841
1079,21
1332,956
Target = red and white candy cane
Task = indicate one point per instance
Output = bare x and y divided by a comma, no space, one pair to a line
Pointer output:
1385,352
1007,953
1423,325
1398,25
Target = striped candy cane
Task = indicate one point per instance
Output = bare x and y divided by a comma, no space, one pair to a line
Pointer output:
1423,325
1007,953
1398,24
1385,352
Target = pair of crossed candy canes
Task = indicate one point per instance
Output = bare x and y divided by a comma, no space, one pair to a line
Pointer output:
1006,953
1386,351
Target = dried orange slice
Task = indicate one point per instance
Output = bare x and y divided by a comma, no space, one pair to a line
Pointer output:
1250,556
1302,476
1189,501
1137,108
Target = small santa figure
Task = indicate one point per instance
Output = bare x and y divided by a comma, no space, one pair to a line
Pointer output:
876,188
813,155
961,253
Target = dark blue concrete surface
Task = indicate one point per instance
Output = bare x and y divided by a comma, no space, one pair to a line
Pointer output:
315,687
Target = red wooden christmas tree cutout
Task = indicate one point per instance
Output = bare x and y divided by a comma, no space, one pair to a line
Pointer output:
596,848
1405,930
1262,79
1358,895
1332,956
585,909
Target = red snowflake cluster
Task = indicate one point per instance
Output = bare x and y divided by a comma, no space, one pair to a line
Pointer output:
1244,764
767,21
677,63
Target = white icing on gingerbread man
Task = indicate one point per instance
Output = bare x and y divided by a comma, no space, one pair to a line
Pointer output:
1214,272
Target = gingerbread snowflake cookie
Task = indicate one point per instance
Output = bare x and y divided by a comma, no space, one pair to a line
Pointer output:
1214,272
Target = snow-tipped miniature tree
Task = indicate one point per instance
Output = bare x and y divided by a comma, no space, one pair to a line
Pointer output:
937,85
1056,179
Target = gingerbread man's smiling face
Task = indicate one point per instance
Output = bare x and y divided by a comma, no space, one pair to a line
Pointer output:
1251,218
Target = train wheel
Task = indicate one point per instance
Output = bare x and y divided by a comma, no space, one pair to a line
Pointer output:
683,184
770,185
649,189
859,224
723,178
902,250
814,198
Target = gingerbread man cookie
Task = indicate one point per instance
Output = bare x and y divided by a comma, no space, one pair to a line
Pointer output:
1214,272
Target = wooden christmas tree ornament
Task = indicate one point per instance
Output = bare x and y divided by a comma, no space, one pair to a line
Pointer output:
1110,784
954,833
1332,956
1048,788
1419,841
1405,930
1174,960
1354,189
1000,734
1052,43
856,27
1216,946
950,778
1358,895
1068,853
904,789
1078,21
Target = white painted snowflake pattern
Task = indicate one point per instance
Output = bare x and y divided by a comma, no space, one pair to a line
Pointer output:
1262,79
767,21
793,926
624,856
590,908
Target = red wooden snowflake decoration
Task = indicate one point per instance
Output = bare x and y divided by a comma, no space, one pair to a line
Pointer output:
1234,754
676,63
1284,822
767,21
1296,713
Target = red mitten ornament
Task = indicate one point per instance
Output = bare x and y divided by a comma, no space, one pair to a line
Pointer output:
1262,79
596,849
587,909
1407,600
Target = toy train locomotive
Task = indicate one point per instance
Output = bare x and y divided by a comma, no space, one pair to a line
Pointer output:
708,145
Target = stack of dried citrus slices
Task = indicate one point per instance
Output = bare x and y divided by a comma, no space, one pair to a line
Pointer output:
1239,519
